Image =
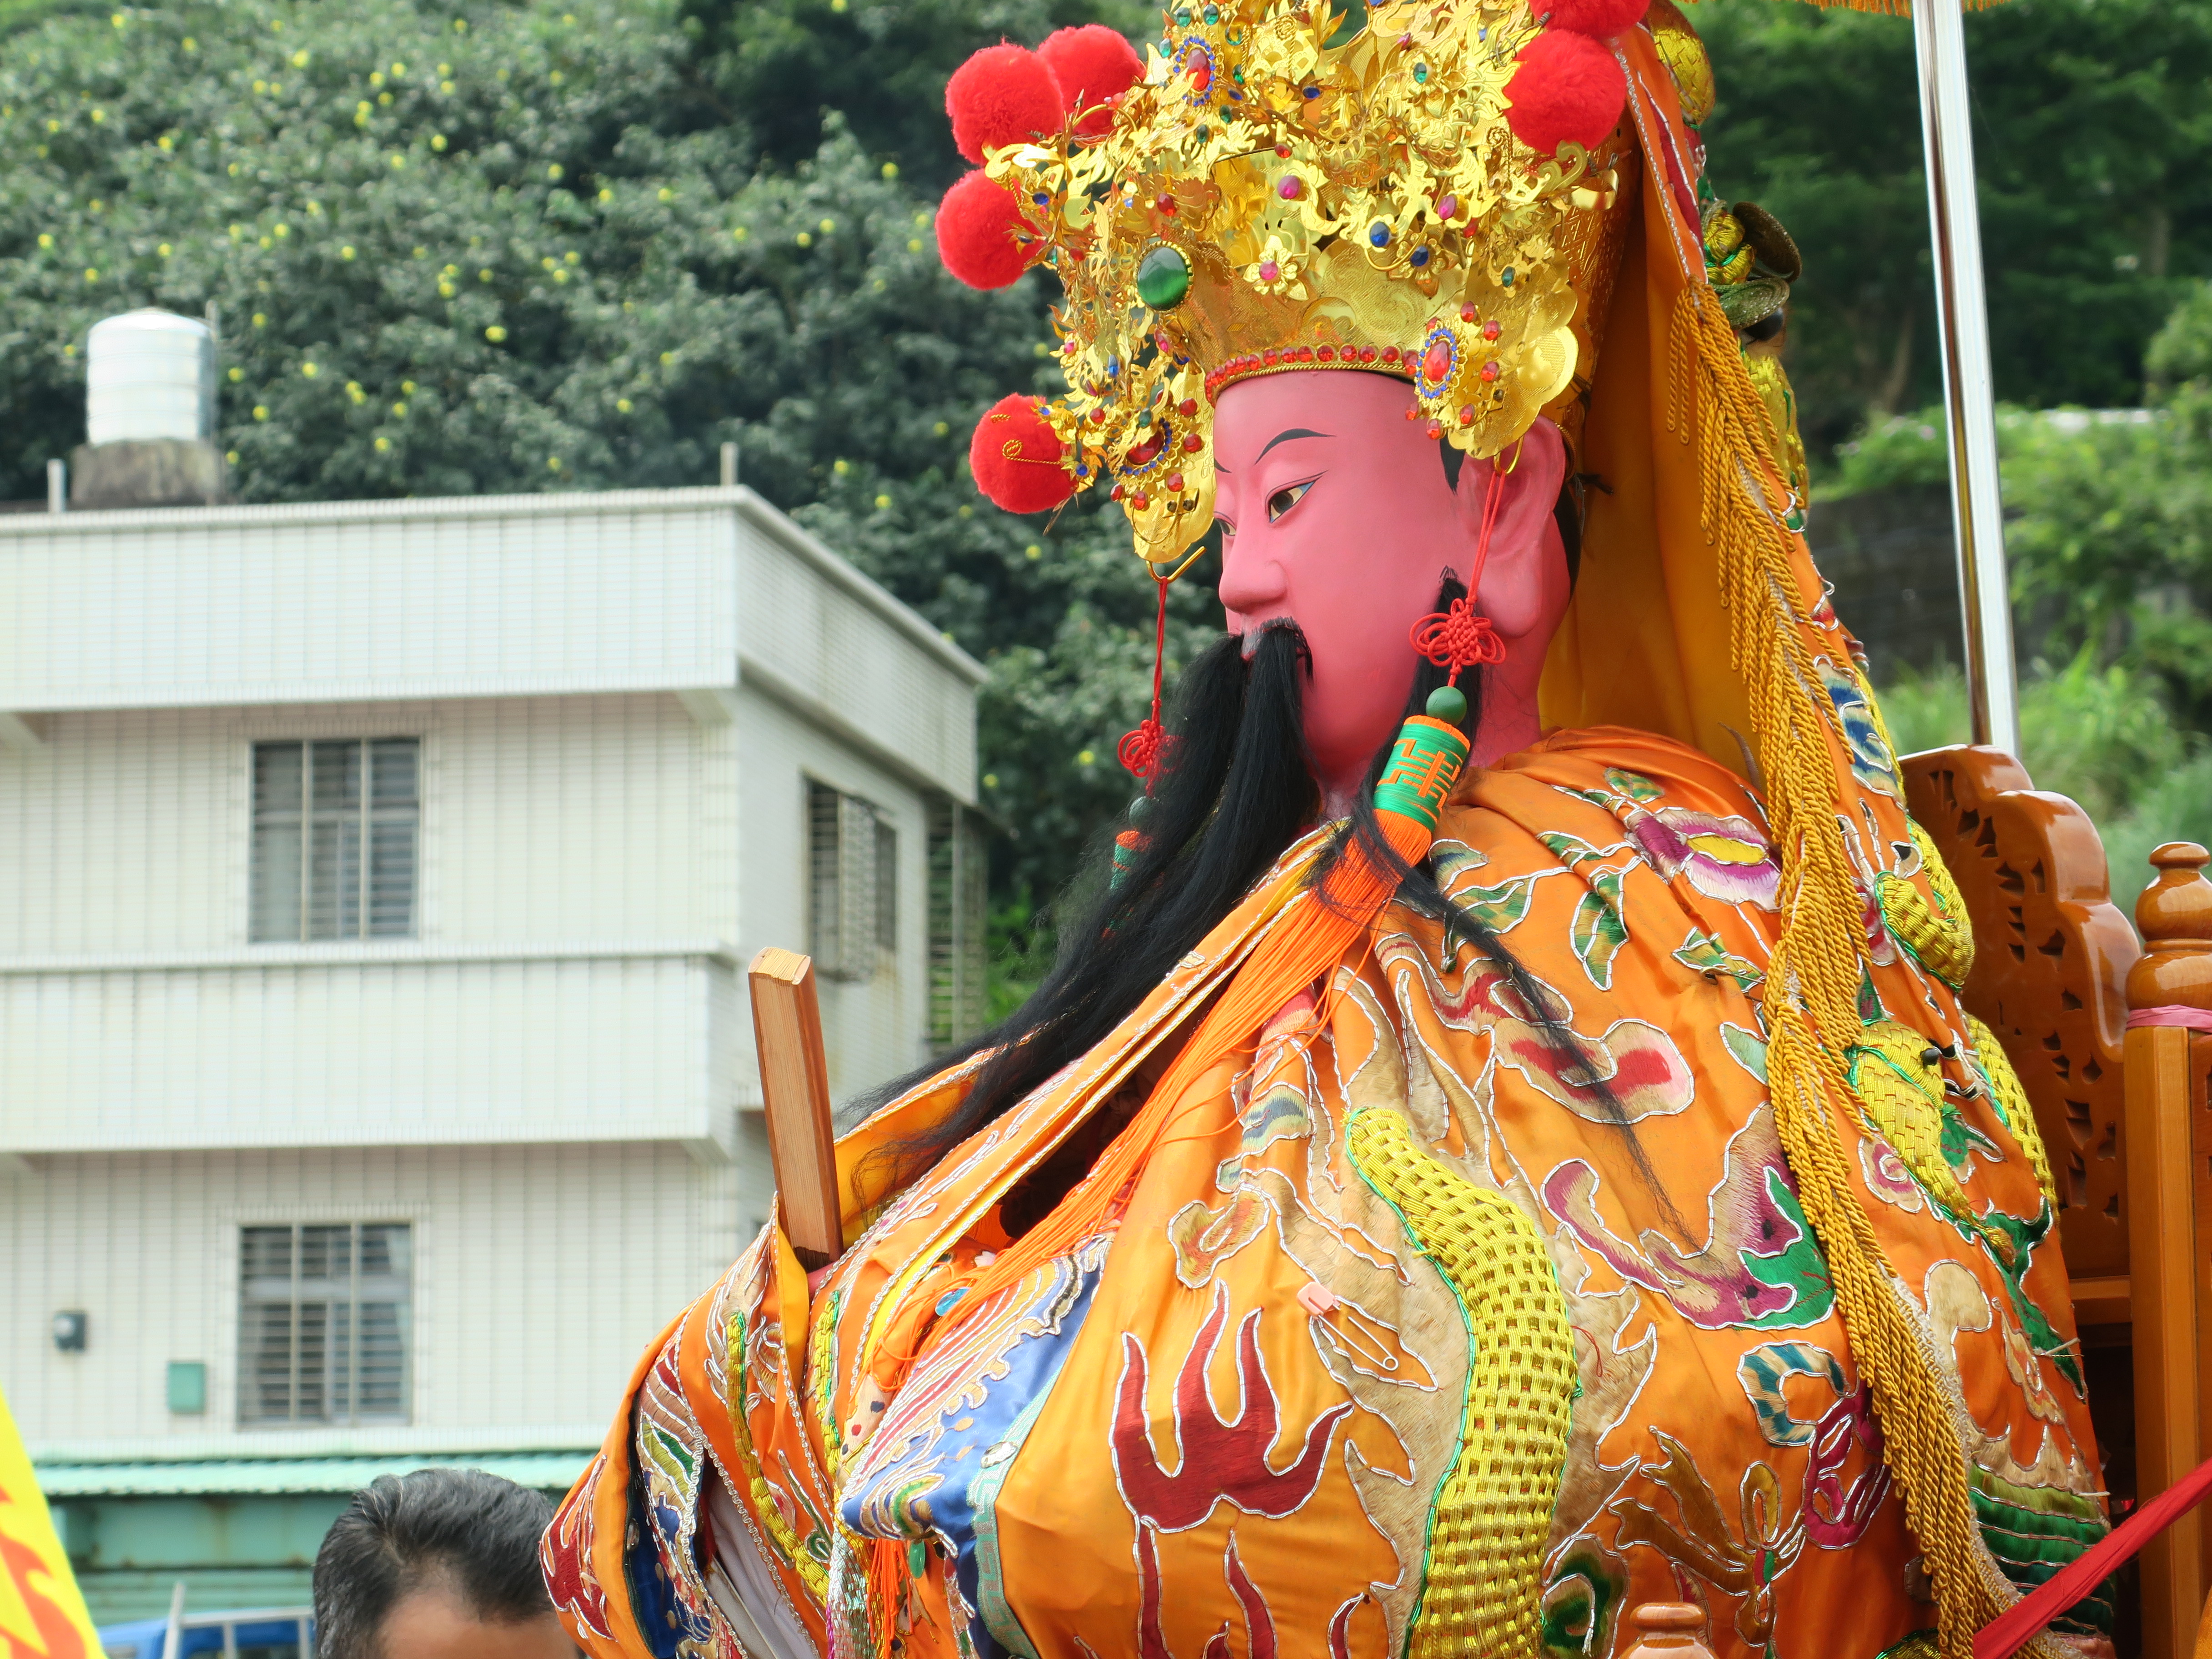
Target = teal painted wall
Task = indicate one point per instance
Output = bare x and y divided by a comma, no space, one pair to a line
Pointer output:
118,1597
230,1551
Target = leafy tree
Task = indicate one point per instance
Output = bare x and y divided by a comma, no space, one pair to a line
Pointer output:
779,64
2109,534
2092,134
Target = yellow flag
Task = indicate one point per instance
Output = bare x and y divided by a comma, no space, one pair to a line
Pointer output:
42,1615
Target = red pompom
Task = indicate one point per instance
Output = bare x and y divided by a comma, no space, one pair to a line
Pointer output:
1003,95
1568,89
978,227
1015,456
1093,65
1600,19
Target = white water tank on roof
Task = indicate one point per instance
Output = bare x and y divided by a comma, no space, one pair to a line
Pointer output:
149,374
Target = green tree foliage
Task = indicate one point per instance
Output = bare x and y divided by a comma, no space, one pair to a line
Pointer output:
2109,533
779,64
2092,132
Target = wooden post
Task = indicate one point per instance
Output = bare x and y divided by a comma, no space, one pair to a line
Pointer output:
2166,1146
795,1090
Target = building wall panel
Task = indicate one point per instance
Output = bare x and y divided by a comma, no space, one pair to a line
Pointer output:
369,1053
543,819
541,1274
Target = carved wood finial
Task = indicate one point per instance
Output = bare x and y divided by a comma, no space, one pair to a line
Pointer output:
1668,1630
2175,916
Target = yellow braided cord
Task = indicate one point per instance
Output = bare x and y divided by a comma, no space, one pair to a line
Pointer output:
811,1572
2012,1102
1483,1587
1937,935
1816,970
1901,1099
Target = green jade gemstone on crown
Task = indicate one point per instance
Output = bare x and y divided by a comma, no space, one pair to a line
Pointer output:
1162,278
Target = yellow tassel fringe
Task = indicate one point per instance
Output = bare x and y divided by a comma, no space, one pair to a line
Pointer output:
1812,1004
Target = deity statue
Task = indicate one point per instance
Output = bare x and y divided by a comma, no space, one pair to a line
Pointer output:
1503,1146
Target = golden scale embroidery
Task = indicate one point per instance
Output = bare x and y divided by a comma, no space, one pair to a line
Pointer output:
1487,1533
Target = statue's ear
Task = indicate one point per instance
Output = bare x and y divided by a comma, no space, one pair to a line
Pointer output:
1518,581
1534,472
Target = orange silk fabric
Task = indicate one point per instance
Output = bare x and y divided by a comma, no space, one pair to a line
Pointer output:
1243,1446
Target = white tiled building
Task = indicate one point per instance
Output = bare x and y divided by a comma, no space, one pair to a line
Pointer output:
376,882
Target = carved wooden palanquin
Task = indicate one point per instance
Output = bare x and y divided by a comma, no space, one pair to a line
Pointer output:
2051,953
2124,1105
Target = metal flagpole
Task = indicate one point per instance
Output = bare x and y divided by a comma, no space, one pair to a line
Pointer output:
1969,400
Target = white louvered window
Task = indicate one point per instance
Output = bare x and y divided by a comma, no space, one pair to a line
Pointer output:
336,828
958,954
324,1315
852,858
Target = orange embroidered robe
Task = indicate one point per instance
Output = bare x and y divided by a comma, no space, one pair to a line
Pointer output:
1406,1339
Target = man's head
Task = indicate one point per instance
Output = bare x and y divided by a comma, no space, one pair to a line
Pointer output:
441,1564
1338,515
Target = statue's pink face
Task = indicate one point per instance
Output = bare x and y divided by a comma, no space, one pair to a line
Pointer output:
1336,514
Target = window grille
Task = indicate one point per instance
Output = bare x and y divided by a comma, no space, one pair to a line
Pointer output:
324,1316
335,825
853,882
958,957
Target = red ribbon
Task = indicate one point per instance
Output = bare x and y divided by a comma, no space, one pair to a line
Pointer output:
2020,1624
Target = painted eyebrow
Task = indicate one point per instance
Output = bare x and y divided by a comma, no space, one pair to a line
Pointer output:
1284,437
1280,438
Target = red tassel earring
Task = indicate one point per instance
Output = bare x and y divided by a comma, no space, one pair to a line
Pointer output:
1462,636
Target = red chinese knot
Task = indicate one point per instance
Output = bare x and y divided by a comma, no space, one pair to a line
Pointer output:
1458,638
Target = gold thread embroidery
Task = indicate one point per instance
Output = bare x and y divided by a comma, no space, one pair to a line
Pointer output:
1484,1584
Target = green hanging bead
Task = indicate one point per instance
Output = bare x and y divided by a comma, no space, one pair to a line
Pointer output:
1448,703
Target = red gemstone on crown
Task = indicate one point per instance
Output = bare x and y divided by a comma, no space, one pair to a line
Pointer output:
1436,362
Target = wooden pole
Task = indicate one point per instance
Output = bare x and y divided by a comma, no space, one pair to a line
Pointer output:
794,1077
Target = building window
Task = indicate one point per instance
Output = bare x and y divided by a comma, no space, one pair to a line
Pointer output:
335,828
324,1318
957,957
852,859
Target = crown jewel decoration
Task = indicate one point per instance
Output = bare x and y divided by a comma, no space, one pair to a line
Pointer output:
1427,190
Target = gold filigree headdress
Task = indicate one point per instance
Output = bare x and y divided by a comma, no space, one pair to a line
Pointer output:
1434,191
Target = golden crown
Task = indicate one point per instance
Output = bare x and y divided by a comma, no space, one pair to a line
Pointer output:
1429,190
